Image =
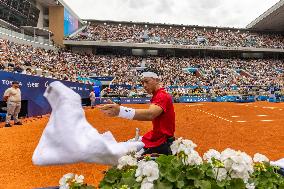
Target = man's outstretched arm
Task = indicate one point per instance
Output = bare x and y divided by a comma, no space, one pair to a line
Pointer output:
114,110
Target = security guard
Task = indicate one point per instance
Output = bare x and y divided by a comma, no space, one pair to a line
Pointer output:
13,97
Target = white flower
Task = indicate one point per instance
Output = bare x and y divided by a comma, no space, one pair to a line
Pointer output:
237,163
220,173
147,185
250,186
79,179
175,146
181,145
139,179
126,160
147,172
227,153
189,144
211,154
192,159
63,182
260,158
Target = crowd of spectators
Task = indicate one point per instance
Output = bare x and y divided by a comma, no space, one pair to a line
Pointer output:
219,75
179,35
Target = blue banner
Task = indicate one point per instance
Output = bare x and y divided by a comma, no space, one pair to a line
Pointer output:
103,78
240,99
188,99
33,87
187,87
125,100
122,86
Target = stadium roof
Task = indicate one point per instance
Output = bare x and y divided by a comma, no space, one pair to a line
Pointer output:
271,20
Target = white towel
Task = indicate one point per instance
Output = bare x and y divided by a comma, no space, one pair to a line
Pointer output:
69,138
279,163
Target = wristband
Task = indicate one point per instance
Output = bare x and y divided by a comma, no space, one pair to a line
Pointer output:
127,113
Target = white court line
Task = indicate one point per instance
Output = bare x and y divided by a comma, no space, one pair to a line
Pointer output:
265,107
262,115
266,120
194,105
215,116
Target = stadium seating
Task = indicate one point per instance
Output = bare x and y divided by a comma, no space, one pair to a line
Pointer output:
179,35
218,75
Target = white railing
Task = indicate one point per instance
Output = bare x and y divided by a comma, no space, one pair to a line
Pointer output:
38,40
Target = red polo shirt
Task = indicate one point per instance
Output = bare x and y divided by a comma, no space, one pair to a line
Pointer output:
164,124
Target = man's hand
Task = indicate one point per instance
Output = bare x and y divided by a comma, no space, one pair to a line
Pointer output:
111,109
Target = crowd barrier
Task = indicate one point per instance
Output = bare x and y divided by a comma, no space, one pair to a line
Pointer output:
193,99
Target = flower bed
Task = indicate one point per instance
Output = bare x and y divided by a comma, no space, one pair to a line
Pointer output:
229,169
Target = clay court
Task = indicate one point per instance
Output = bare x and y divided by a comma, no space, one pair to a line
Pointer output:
253,127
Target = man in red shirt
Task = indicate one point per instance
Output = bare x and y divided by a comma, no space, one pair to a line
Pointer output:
160,112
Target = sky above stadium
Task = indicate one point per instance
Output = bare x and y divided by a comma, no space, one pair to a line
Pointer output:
228,13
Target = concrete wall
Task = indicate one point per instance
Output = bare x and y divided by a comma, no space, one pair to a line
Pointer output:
82,50
40,18
56,23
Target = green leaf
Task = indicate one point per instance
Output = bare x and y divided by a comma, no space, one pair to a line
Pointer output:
163,170
222,183
210,173
194,173
172,175
214,185
105,186
128,173
236,184
163,185
128,181
164,159
180,183
112,175
87,187
175,162
203,184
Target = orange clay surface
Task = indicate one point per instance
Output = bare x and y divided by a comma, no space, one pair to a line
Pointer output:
254,127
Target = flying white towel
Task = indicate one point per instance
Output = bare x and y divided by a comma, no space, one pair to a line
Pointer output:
69,138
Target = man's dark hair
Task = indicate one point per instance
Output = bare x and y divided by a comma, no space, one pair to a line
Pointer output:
15,82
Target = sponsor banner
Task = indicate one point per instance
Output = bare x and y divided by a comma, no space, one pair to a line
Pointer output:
103,78
33,87
125,100
190,99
